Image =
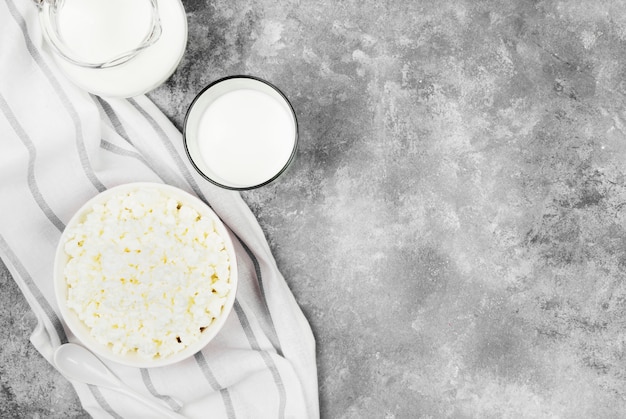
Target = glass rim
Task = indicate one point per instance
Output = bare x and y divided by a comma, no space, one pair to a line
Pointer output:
287,162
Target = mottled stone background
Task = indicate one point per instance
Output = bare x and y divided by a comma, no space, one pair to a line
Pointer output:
454,224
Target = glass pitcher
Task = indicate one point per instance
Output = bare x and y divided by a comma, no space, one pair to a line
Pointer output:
99,33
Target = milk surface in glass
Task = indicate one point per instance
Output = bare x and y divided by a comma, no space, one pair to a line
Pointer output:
246,137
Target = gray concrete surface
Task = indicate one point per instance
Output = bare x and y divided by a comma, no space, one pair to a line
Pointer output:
454,224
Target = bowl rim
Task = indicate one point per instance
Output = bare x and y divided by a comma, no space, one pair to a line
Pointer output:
295,141
81,331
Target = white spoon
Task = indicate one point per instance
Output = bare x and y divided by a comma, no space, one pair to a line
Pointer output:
79,364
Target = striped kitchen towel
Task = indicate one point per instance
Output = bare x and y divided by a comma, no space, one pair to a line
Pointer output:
60,146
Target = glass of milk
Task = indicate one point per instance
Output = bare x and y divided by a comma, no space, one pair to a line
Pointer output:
240,132
99,33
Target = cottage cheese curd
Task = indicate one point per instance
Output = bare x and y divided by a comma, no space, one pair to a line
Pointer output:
146,273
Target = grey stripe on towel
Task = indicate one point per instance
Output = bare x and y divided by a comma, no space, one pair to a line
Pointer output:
271,333
32,156
269,362
47,72
109,146
180,164
208,374
147,380
25,277
97,394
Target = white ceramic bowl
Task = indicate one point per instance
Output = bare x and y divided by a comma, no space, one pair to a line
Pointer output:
82,332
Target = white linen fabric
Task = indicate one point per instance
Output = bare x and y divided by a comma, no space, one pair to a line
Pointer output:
60,146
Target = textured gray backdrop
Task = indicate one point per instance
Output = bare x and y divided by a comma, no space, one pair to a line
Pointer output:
454,224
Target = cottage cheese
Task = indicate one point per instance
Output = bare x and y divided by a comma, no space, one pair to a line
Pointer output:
146,273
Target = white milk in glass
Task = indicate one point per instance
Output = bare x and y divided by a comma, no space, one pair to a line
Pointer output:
98,30
245,137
